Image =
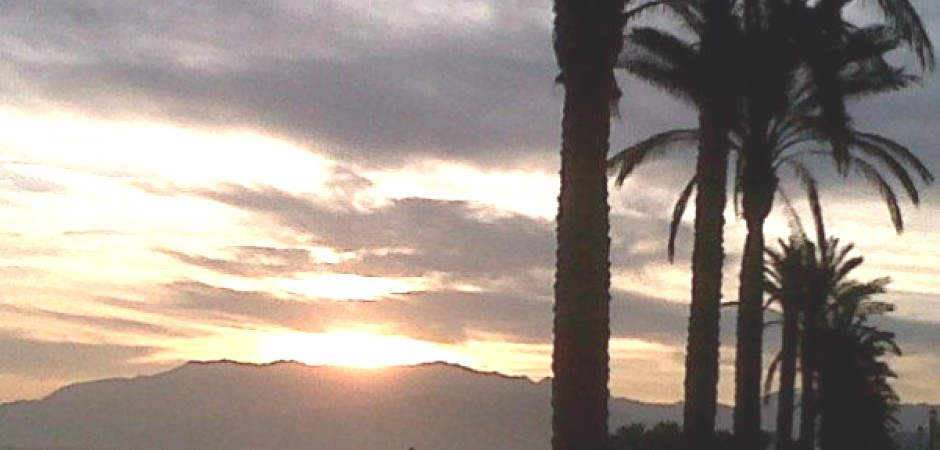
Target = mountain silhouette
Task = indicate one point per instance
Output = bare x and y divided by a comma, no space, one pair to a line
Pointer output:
288,405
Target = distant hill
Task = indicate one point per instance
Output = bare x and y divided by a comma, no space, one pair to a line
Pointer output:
291,406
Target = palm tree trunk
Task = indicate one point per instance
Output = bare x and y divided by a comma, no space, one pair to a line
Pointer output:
759,185
808,404
715,117
787,378
747,424
588,39
701,364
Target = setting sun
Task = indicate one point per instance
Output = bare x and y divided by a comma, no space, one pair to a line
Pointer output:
355,349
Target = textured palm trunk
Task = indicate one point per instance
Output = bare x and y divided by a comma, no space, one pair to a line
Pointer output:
588,39
759,184
808,408
701,364
715,118
750,329
788,354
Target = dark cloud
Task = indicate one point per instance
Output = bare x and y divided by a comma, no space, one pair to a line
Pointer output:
508,257
439,316
407,237
67,360
911,335
414,236
321,71
252,261
363,88
190,300
114,324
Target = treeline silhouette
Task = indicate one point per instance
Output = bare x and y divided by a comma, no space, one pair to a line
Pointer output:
661,436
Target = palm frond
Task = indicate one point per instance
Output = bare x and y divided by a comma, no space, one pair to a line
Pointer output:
842,270
789,211
772,369
651,148
685,10
903,18
868,42
663,60
899,151
810,186
886,157
661,75
884,189
677,212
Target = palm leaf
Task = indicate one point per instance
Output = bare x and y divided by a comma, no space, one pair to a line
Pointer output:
884,189
887,159
903,18
653,147
899,151
677,212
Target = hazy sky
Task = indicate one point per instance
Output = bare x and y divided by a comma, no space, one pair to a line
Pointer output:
353,182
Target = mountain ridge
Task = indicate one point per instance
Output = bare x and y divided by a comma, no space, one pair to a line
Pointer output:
290,405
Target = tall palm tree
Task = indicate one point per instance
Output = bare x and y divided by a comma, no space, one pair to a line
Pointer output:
704,74
588,38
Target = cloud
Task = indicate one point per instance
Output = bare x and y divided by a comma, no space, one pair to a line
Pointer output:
252,261
107,324
67,360
406,237
329,72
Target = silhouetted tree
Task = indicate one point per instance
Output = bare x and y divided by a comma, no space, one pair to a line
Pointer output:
825,326
628,437
774,119
588,38
787,41
856,401
703,73
636,436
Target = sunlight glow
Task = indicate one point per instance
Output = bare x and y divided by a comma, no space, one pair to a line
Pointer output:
338,286
355,349
150,150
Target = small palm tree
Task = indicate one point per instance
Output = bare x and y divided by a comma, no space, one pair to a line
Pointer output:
825,328
856,401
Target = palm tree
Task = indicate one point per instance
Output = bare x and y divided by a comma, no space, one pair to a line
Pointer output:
825,324
840,61
702,73
856,400
773,121
784,273
588,38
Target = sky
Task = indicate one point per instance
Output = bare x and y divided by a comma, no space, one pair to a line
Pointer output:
361,183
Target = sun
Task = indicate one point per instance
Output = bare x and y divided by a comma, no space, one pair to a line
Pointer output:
364,350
